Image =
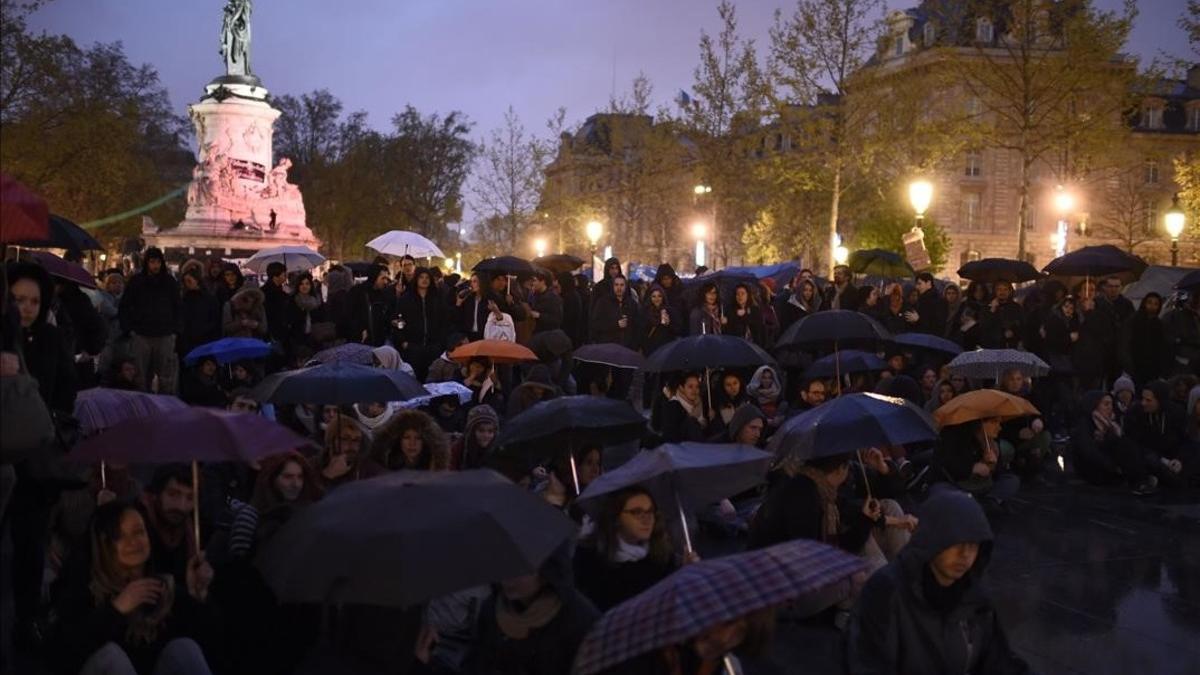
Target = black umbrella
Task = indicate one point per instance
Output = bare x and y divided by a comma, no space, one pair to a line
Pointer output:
559,262
1096,261
991,270
833,329
341,383
64,234
544,429
851,423
843,362
403,538
550,344
1189,282
359,268
928,342
505,264
610,354
879,262
696,352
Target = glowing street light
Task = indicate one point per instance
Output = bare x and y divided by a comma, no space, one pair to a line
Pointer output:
1175,220
594,230
1064,204
1064,201
920,194
840,253
702,190
539,246
699,233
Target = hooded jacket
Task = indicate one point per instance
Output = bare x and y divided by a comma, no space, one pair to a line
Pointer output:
1158,434
1145,353
46,353
385,449
199,313
244,315
465,454
607,310
150,304
896,627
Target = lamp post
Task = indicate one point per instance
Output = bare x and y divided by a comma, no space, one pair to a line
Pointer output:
1064,202
1175,219
699,233
699,191
594,230
920,193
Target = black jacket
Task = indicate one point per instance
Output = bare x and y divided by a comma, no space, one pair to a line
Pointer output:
933,312
369,310
51,364
548,650
653,333
904,623
676,426
199,320
793,510
275,304
150,304
1097,341
426,319
606,312
549,306
750,326
1145,353
1009,316
80,323
608,584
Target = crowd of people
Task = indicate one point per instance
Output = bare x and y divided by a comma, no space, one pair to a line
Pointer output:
106,575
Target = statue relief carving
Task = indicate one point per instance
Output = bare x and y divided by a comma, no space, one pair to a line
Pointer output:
253,137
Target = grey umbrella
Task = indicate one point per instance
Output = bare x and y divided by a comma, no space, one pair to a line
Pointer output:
985,364
405,537
683,476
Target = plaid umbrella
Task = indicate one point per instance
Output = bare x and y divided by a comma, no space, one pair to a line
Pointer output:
352,352
992,363
100,408
708,593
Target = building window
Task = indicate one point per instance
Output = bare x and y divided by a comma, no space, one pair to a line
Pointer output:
971,211
1152,172
974,164
1193,118
983,31
1150,225
1031,218
1152,117
930,35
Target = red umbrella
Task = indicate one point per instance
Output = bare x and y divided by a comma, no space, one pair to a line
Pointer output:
63,269
23,214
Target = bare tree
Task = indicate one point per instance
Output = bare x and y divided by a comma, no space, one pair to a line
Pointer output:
508,181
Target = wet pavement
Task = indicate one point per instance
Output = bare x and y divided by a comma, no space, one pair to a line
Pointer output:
1085,580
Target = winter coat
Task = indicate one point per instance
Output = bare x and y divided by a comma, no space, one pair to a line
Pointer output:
244,316
549,307
750,326
199,320
275,306
426,319
385,447
51,364
676,426
82,327
789,309
443,370
702,322
607,583
302,312
1097,340
1008,316
1158,434
846,299
793,510
606,311
933,312
1183,332
574,323
472,316
1145,353
898,627
150,304
370,311
653,333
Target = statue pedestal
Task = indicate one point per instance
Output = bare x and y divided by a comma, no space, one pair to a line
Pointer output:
238,199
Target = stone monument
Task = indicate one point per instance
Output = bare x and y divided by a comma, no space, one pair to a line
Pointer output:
239,201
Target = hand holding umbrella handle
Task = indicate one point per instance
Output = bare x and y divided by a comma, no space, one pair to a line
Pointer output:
687,537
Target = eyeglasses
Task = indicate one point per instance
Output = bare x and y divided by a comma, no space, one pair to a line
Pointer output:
640,514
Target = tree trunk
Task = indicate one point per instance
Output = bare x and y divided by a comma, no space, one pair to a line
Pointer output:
1023,211
834,199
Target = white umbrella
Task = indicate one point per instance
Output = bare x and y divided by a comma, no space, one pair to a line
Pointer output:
400,242
993,363
295,258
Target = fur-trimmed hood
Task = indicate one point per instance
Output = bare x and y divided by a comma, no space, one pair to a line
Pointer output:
385,448
247,299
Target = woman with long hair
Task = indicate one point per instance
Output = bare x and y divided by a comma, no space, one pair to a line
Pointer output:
303,310
412,441
682,416
745,318
661,323
706,317
118,615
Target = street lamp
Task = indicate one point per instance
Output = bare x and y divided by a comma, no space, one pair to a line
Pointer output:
1175,219
920,193
702,190
1064,204
840,253
699,232
539,246
594,230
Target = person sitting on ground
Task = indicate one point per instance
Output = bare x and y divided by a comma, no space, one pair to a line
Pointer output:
387,358
559,486
285,484
900,623
1102,454
1024,441
412,441
1158,431
200,385
943,391
538,386
966,456
119,612
443,368
1123,391
728,397
123,375
745,427
374,415
479,375
343,458
812,394
167,505
474,447
628,551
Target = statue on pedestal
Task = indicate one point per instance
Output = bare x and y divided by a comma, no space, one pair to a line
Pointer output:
235,38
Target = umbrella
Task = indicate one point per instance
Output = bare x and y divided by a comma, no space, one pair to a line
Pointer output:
359,268
992,363
697,597
559,262
99,408
64,269
726,281
228,350
845,361
23,214
991,270
436,390
833,329
982,404
63,234
550,344
505,264
927,342
545,428
1189,282
707,351
340,383
405,537
400,243
1096,261
684,477
499,351
880,263
295,258
851,423
352,352
189,435
610,354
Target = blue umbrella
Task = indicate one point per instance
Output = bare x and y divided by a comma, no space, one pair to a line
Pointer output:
688,475
229,350
843,362
928,342
851,423
339,383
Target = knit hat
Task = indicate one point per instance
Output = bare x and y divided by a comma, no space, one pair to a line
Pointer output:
745,414
1124,383
480,414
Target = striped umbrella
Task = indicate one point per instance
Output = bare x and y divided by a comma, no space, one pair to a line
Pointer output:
100,408
984,364
708,593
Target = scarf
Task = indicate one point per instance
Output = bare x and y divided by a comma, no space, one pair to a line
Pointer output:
829,508
373,423
107,584
692,410
517,623
764,396
627,552
307,304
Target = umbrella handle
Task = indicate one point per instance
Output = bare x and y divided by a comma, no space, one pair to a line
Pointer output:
863,468
727,664
574,472
103,476
196,498
687,538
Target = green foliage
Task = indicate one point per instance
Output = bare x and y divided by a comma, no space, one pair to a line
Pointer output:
1187,176
884,226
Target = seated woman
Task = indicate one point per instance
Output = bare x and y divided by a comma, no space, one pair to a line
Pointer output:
343,458
117,615
750,634
682,416
558,486
1024,441
628,551
965,456
1102,454
285,484
480,377
413,441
